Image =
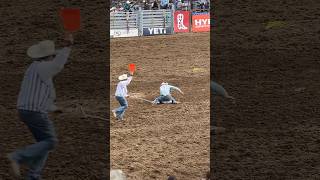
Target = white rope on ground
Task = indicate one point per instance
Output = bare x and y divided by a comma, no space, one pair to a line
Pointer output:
91,116
143,99
152,102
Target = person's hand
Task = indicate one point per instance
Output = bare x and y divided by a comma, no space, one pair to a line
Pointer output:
54,109
131,73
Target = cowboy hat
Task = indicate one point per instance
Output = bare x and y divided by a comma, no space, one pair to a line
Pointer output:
42,49
123,77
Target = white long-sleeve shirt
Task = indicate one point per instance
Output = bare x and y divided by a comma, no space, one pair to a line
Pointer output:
166,89
37,91
122,90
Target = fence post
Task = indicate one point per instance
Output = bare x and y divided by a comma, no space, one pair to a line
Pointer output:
172,20
139,21
127,18
190,20
164,14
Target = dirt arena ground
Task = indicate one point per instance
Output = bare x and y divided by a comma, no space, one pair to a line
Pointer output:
83,81
273,130
156,141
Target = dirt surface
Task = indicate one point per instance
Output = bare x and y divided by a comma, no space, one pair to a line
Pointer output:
273,130
82,149
156,141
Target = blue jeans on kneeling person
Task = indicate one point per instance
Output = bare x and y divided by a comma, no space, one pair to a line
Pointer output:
168,98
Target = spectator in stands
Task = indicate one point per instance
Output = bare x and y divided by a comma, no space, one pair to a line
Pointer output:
155,5
146,6
179,5
127,7
119,7
185,6
202,3
170,6
175,3
207,5
164,4
135,7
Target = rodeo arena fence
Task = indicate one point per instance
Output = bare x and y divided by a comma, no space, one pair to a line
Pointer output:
157,22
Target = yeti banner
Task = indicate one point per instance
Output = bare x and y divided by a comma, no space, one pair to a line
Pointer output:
156,31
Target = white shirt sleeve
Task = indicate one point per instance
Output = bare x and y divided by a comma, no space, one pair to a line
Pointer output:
49,69
176,88
127,82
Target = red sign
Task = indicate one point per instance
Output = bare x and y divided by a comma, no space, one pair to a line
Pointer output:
181,21
200,22
132,68
70,18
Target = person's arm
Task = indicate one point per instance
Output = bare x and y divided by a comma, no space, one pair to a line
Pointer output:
127,82
130,75
176,88
49,69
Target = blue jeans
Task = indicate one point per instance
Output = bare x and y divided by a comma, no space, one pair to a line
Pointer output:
35,155
123,106
161,99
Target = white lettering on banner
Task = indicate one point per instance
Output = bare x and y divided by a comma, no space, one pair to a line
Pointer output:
157,30
180,18
202,22
150,30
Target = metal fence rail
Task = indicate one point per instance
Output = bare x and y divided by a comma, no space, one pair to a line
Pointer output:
156,21
123,20
151,18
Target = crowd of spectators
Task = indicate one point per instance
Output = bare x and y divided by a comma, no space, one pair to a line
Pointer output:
135,5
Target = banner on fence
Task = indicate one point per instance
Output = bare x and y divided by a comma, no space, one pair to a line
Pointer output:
181,21
200,22
114,33
156,31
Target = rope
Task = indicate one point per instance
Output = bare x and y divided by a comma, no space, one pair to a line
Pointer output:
91,116
143,99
